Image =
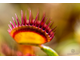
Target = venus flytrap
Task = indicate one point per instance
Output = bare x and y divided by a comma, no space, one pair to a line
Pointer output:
32,32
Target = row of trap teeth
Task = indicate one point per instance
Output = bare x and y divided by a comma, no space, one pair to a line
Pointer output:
33,22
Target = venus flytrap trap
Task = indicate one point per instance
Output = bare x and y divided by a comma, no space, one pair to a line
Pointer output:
32,32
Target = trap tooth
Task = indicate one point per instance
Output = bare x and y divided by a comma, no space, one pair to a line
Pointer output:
9,30
10,27
44,23
51,34
32,22
14,21
48,25
48,21
52,29
17,20
52,37
41,21
25,22
21,17
11,24
29,16
51,24
37,18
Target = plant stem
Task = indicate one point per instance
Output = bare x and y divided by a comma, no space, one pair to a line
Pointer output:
48,50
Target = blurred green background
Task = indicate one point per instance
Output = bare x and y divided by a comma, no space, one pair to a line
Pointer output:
66,17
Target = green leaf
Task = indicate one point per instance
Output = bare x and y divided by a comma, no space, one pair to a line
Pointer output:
48,50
